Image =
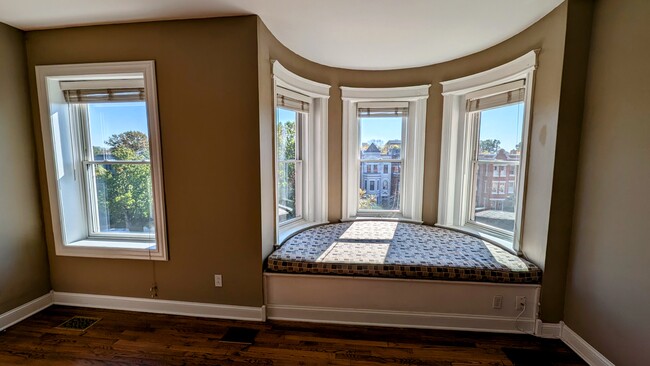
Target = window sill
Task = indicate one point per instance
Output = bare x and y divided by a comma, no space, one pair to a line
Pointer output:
287,231
380,218
503,243
112,249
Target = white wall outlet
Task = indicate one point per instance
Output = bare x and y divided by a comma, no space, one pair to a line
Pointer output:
520,303
218,280
497,302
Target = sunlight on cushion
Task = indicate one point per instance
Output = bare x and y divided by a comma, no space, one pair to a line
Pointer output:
370,230
363,253
506,259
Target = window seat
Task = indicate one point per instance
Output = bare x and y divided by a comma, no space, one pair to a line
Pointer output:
399,250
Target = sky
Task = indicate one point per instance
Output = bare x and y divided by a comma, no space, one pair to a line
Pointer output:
285,115
383,128
503,124
107,119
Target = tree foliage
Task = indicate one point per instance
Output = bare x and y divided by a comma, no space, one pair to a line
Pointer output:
367,201
490,146
286,150
124,190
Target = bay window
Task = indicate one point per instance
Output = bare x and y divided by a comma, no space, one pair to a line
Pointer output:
486,120
383,144
300,147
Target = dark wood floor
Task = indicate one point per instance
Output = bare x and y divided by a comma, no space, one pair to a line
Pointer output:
127,338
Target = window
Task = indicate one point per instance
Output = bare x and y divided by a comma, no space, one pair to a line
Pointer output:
485,128
300,142
291,114
383,128
380,140
102,148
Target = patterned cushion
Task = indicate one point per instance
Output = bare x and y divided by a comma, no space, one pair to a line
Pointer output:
391,249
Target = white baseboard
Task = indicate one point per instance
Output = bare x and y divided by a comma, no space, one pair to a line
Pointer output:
22,312
186,308
548,330
406,319
582,348
402,319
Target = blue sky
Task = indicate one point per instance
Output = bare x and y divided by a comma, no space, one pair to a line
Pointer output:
285,115
503,124
107,119
384,129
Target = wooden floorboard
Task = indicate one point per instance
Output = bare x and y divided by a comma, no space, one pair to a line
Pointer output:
128,338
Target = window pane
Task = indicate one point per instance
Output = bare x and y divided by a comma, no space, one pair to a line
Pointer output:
118,131
380,138
288,175
286,123
496,171
124,198
379,190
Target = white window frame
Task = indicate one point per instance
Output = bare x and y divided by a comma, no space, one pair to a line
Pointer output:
412,149
454,193
302,123
314,193
50,99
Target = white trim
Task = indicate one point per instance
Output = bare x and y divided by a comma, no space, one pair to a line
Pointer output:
548,330
289,80
455,162
297,227
403,93
24,311
421,303
492,77
412,146
314,196
582,348
401,319
104,71
184,308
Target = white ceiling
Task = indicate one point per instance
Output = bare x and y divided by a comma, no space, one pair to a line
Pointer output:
354,34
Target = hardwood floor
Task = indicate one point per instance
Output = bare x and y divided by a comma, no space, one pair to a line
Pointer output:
128,338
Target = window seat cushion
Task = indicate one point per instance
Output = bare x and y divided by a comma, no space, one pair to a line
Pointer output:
399,250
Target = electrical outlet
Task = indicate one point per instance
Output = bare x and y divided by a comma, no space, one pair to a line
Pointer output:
520,303
497,302
217,280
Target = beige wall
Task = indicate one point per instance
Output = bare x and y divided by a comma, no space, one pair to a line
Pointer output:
608,282
215,100
574,73
548,34
207,94
24,273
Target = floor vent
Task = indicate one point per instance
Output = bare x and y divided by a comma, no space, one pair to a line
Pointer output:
239,335
80,323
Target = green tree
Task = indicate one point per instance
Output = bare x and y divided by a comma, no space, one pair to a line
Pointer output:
124,190
135,141
286,150
367,201
489,146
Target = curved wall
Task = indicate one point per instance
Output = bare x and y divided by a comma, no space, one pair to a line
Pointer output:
216,113
548,34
